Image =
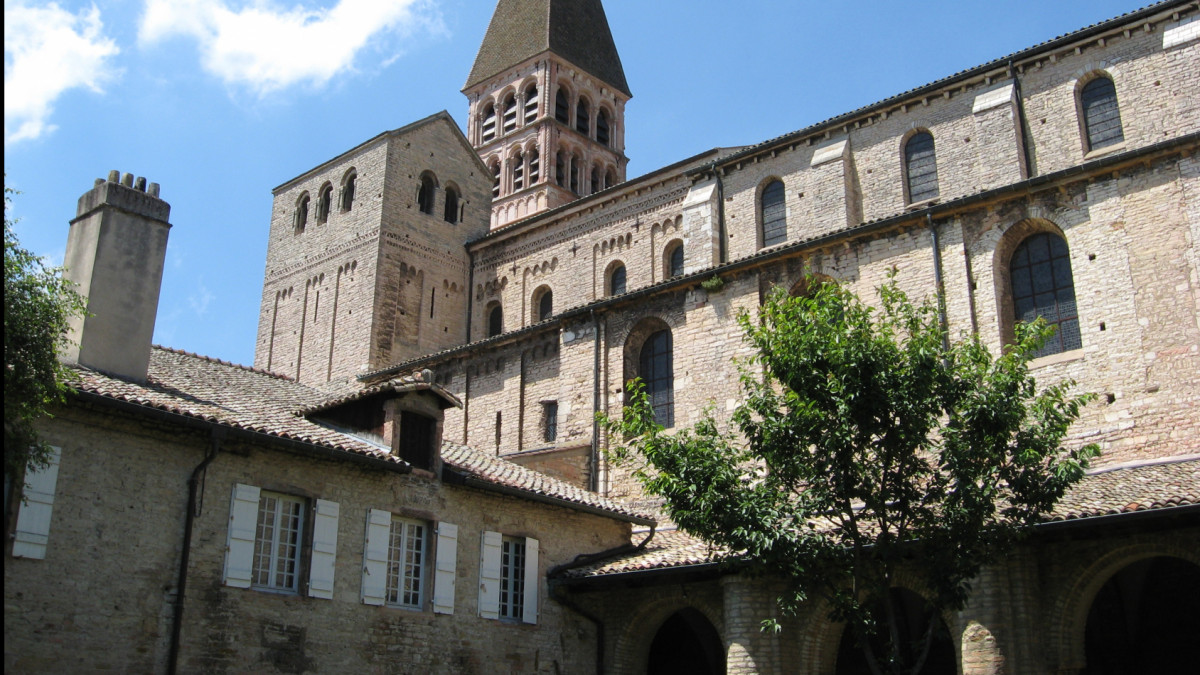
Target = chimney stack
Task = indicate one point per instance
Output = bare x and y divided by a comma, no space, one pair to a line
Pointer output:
115,253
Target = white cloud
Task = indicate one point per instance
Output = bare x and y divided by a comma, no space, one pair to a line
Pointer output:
47,51
201,299
266,47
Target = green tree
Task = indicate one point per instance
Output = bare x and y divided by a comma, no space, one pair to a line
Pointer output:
866,444
38,303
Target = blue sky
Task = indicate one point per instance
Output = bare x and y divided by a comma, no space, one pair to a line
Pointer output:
219,101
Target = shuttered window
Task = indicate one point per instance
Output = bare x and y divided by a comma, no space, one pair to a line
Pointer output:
1042,285
531,103
406,563
1101,116
656,369
510,114
277,542
602,127
489,123
920,167
582,118
562,109
774,214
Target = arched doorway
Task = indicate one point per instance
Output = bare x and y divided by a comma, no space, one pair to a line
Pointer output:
1144,619
913,614
686,644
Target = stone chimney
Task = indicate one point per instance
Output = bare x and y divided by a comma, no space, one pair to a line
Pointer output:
115,253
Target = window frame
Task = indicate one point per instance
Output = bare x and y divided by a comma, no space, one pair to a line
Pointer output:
1073,334
655,383
397,568
549,421
324,203
920,158
494,319
427,194
1085,107
611,279
349,187
300,545
512,578
772,229
670,269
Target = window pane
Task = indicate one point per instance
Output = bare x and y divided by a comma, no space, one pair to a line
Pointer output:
774,214
1101,116
1042,285
921,168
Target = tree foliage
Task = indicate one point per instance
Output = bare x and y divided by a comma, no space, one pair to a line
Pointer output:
866,444
38,303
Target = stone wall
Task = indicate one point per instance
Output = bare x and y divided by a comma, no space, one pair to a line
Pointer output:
106,587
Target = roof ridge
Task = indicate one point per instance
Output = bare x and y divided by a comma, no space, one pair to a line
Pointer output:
223,362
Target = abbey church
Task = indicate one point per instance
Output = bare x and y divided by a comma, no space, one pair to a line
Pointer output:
410,478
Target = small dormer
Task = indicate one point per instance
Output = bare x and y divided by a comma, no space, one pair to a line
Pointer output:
404,415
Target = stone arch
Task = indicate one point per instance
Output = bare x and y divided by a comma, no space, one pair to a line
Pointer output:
1083,82
615,268
670,257
1006,245
542,296
632,645
349,187
1068,614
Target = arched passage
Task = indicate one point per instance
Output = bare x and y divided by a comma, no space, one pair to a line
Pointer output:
913,615
1144,619
686,644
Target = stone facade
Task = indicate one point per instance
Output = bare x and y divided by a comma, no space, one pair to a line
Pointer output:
359,295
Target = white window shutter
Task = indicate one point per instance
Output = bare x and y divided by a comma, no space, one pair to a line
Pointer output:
324,550
489,576
239,549
374,579
447,562
529,614
33,519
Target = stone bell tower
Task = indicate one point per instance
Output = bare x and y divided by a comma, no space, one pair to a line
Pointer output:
547,105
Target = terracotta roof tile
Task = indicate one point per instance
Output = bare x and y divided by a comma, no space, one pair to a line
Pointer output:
245,398
1161,484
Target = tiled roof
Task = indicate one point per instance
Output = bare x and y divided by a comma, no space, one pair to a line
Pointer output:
508,474
667,549
1162,484
1036,50
421,380
576,30
248,399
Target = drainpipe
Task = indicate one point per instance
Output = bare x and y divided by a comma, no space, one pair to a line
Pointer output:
181,584
722,255
580,560
1026,163
939,287
594,460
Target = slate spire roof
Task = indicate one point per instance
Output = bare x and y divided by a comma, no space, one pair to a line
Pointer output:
576,30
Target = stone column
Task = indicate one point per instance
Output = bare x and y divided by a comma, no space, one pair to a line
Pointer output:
748,649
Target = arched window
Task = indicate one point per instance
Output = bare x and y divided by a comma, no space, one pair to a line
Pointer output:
562,108
575,174
324,202
656,369
610,178
582,119
518,171
1042,285
774,214
560,169
596,174
349,182
451,211
1101,116
495,179
425,194
535,166
489,123
301,213
616,280
675,260
920,168
543,303
510,113
495,320
531,103
602,126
